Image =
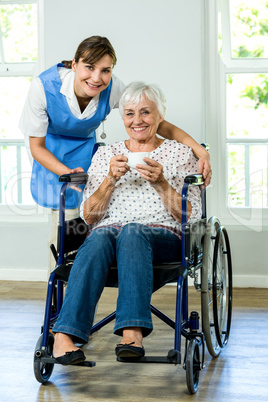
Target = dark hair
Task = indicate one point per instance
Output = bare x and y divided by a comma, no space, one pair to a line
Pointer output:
92,50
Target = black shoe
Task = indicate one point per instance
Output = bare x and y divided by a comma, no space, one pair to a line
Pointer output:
126,350
74,357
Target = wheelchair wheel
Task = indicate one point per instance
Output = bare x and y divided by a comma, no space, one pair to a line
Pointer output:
207,287
43,371
192,366
222,287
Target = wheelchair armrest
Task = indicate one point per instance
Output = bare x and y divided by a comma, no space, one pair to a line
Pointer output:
80,178
194,179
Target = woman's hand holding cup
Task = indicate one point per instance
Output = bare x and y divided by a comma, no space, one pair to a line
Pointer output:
152,172
118,167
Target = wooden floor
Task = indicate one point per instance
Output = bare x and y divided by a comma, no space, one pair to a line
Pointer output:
240,373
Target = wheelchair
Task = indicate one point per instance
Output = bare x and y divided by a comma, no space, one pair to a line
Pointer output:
206,258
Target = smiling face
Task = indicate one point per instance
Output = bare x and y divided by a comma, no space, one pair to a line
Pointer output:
91,79
142,120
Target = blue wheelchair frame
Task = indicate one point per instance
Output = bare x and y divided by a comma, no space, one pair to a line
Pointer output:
184,325
182,283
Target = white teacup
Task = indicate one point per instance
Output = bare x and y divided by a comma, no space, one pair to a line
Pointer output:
136,158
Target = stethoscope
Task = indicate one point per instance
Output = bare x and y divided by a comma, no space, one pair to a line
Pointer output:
103,134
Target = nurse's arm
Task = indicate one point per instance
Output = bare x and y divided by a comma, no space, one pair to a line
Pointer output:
43,156
171,132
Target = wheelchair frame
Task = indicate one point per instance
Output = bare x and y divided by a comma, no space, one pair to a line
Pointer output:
206,257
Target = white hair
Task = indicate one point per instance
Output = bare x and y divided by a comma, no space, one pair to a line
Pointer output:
135,92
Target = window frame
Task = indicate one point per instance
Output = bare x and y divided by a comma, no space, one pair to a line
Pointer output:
216,68
24,212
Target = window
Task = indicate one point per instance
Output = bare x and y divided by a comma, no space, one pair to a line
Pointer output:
235,109
18,57
243,48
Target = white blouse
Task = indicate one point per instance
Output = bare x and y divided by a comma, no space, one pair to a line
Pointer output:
134,199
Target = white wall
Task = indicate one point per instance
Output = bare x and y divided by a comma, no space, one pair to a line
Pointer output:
24,251
155,41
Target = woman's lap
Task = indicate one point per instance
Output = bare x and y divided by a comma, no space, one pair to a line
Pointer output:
136,247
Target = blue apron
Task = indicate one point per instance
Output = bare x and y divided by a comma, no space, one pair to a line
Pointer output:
70,139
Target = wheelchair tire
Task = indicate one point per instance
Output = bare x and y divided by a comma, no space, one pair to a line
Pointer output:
192,366
207,309
43,371
222,287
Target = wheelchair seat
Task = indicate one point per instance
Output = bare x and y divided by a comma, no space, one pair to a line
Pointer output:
75,233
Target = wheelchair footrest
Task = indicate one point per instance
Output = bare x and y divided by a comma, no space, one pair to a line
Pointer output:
52,360
173,357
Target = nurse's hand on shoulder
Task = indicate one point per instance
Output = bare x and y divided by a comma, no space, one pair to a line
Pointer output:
118,167
76,170
204,168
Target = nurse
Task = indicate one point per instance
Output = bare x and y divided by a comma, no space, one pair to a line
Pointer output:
64,107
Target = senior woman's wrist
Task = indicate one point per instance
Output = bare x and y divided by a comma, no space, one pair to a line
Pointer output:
110,181
161,186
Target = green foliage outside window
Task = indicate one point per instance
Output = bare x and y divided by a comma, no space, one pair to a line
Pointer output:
258,93
249,28
18,53
247,103
19,32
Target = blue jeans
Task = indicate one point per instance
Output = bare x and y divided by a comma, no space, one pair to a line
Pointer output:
135,248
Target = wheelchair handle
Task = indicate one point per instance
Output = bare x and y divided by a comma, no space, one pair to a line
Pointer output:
80,178
194,179
205,145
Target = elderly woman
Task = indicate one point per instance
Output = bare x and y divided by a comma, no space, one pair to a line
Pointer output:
134,217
